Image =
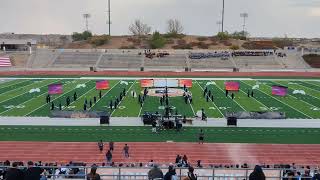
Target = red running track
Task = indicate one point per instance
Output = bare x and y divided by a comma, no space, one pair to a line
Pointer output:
209,153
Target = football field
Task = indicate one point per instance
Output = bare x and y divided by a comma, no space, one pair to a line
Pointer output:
27,97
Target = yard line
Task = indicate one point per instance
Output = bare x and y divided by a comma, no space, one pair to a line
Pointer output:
234,100
79,97
24,92
8,85
192,109
310,89
29,99
284,103
105,94
52,100
211,100
255,99
312,84
123,97
300,99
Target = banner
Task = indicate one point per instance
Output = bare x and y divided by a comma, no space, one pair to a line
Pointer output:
172,83
160,83
232,86
102,85
185,82
55,89
146,83
279,90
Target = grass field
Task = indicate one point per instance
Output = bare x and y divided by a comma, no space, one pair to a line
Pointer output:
15,99
143,134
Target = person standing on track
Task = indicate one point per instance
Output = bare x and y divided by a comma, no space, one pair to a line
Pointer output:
126,151
100,145
111,146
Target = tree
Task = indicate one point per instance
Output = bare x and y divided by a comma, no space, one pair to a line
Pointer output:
81,36
223,36
157,41
174,27
138,28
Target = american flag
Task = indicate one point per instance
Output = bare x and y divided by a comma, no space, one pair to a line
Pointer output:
5,62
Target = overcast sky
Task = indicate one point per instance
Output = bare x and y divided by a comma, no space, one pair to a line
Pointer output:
267,18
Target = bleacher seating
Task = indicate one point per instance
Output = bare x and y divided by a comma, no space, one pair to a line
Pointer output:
80,59
131,61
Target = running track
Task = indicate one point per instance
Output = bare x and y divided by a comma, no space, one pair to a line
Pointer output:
63,152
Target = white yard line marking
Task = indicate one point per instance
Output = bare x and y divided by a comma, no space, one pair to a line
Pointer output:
284,103
30,99
80,97
211,100
127,93
15,83
255,99
52,100
105,94
32,84
234,99
303,100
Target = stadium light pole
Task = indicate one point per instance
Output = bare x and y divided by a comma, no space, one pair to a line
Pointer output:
86,17
244,16
219,25
109,17
222,20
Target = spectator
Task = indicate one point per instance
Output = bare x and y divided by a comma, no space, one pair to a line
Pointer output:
316,175
33,173
185,161
171,174
155,172
109,157
93,175
126,150
14,173
191,174
306,175
257,174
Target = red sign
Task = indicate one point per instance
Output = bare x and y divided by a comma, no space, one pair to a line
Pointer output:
185,82
102,85
146,83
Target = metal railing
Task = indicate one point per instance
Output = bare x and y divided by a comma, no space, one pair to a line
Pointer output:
141,173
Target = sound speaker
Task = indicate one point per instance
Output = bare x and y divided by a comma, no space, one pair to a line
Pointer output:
104,119
141,68
91,69
186,69
232,121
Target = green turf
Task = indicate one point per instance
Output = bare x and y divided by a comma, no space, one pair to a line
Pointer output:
15,99
143,134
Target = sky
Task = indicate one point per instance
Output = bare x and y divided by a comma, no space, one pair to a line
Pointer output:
267,18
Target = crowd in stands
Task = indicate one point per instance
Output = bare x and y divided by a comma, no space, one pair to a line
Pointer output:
224,54
40,171
227,54
252,53
36,171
